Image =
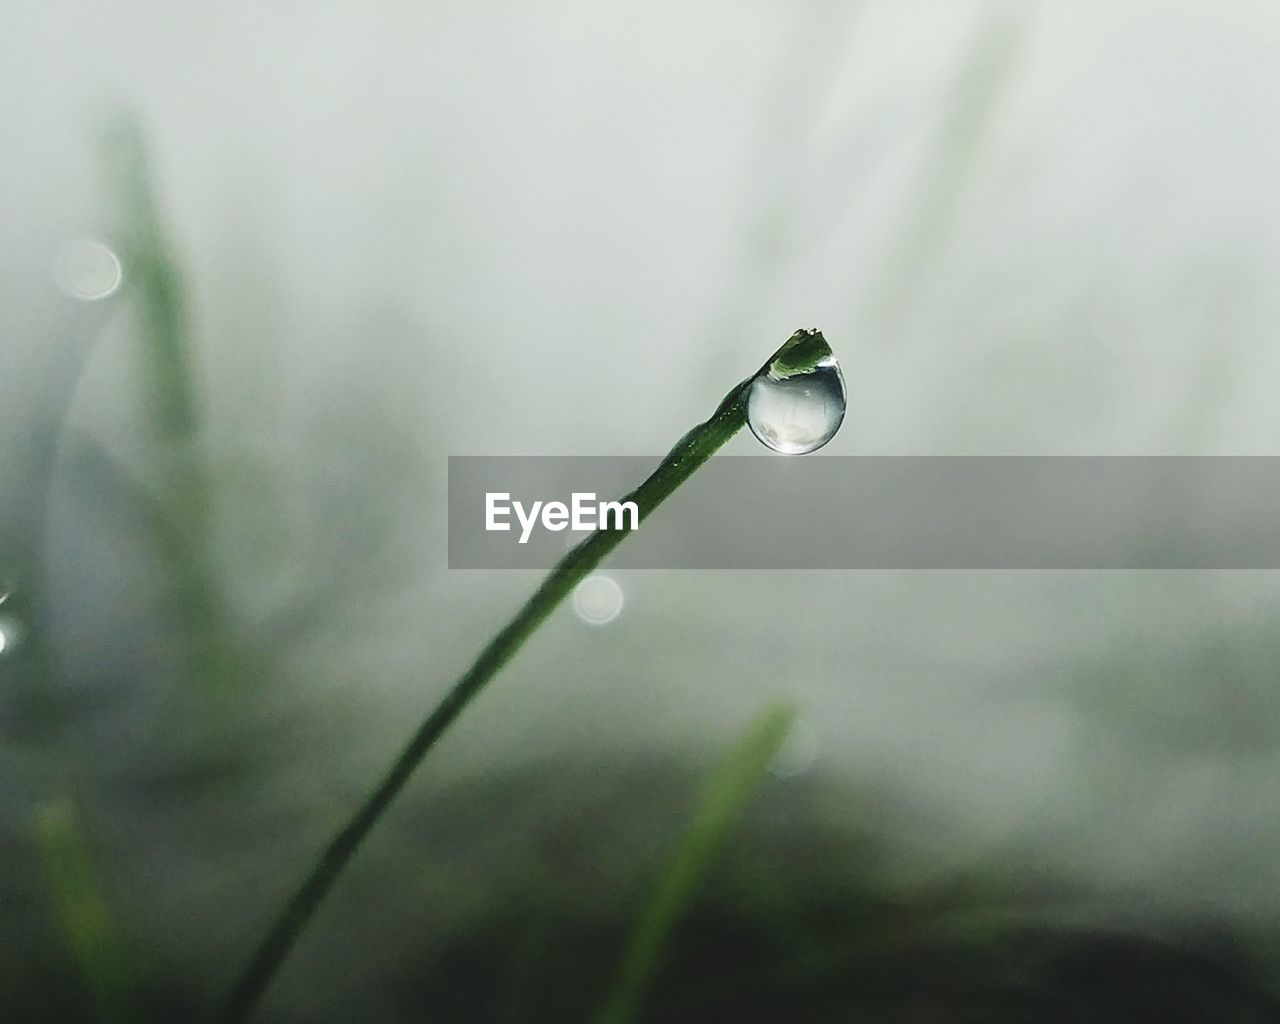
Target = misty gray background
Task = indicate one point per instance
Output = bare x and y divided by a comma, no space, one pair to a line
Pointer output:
415,230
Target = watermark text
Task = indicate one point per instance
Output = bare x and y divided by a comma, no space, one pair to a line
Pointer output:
583,512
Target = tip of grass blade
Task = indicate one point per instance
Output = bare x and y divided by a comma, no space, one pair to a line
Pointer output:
801,353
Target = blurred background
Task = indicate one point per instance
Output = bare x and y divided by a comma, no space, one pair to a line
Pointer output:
264,266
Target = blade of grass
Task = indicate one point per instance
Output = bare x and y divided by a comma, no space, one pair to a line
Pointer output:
690,452
155,282
976,92
81,907
725,799
807,65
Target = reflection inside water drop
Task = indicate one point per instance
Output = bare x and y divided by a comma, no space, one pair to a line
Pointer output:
797,412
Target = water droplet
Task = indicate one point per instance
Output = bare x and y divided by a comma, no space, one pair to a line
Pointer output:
796,403
87,269
598,600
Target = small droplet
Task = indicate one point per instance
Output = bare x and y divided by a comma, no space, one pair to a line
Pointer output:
796,404
87,269
598,600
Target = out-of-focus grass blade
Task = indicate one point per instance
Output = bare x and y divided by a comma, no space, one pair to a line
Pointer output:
724,800
966,120
81,908
171,394
152,271
817,40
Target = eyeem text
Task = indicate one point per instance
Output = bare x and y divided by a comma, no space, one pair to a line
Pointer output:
583,512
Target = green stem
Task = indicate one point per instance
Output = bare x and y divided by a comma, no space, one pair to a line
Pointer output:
690,452
723,804
82,910
171,392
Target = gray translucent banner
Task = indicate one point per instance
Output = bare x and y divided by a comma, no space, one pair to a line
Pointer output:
775,512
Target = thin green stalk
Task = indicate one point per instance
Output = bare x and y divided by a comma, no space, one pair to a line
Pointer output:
802,351
727,794
82,910
171,393
975,94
